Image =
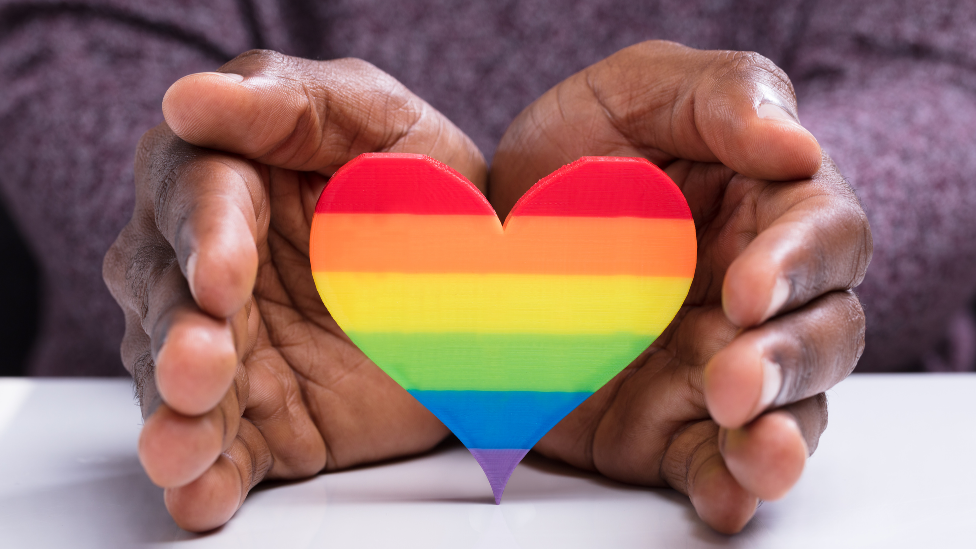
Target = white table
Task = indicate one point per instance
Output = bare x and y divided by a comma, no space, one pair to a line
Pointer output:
896,468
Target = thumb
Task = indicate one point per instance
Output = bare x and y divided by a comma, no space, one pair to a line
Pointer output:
662,101
308,115
737,108
745,113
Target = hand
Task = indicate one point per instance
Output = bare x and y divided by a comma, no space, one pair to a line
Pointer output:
241,373
728,402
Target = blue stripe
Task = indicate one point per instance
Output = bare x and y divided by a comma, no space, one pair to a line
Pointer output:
499,419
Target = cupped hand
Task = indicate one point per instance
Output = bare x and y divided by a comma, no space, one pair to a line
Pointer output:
241,372
728,403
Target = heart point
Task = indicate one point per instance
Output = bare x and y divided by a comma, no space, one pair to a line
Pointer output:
498,466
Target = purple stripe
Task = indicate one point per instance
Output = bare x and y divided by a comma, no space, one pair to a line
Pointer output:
498,466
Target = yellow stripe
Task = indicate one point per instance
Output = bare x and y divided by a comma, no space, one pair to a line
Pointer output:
501,303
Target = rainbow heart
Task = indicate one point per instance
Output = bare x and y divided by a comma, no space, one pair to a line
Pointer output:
501,331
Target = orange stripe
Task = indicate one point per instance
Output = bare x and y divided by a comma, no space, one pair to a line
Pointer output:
405,243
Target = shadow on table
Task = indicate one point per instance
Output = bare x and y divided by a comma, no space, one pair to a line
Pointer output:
126,510
699,530
319,507
411,479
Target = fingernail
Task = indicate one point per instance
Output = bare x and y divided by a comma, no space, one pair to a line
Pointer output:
781,292
772,382
230,76
772,111
191,269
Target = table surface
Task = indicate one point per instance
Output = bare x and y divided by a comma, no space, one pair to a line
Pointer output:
895,468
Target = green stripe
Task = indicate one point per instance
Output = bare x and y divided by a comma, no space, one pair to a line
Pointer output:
501,362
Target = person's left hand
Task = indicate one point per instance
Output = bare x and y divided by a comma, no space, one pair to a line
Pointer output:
728,403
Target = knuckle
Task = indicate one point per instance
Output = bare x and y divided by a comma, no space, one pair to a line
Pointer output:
258,61
259,54
373,81
134,341
851,215
144,377
648,50
113,269
160,159
157,147
306,129
810,268
164,187
359,67
747,61
125,260
146,264
151,140
385,111
751,67
166,173
750,64
257,455
864,248
146,147
802,360
821,345
858,322
812,416
842,325
241,387
824,415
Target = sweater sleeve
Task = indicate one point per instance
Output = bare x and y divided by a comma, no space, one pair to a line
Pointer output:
888,88
81,82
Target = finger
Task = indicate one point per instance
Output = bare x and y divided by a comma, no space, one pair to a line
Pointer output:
173,350
278,409
137,359
196,356
694,466
767,456
175,449
787,359
196,351
662,101
624,428
812,239
312,115
212,209
213,498
636,429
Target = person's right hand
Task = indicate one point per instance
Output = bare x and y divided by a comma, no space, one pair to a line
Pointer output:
241,373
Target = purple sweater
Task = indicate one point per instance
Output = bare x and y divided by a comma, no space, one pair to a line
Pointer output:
886,86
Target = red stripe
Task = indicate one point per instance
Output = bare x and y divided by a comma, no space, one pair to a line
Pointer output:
590,187
600,186
401,183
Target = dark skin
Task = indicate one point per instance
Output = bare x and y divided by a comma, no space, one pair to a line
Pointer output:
244,376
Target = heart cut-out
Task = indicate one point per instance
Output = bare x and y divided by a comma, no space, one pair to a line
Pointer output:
501,331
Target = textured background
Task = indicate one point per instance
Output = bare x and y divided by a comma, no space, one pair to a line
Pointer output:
887,87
